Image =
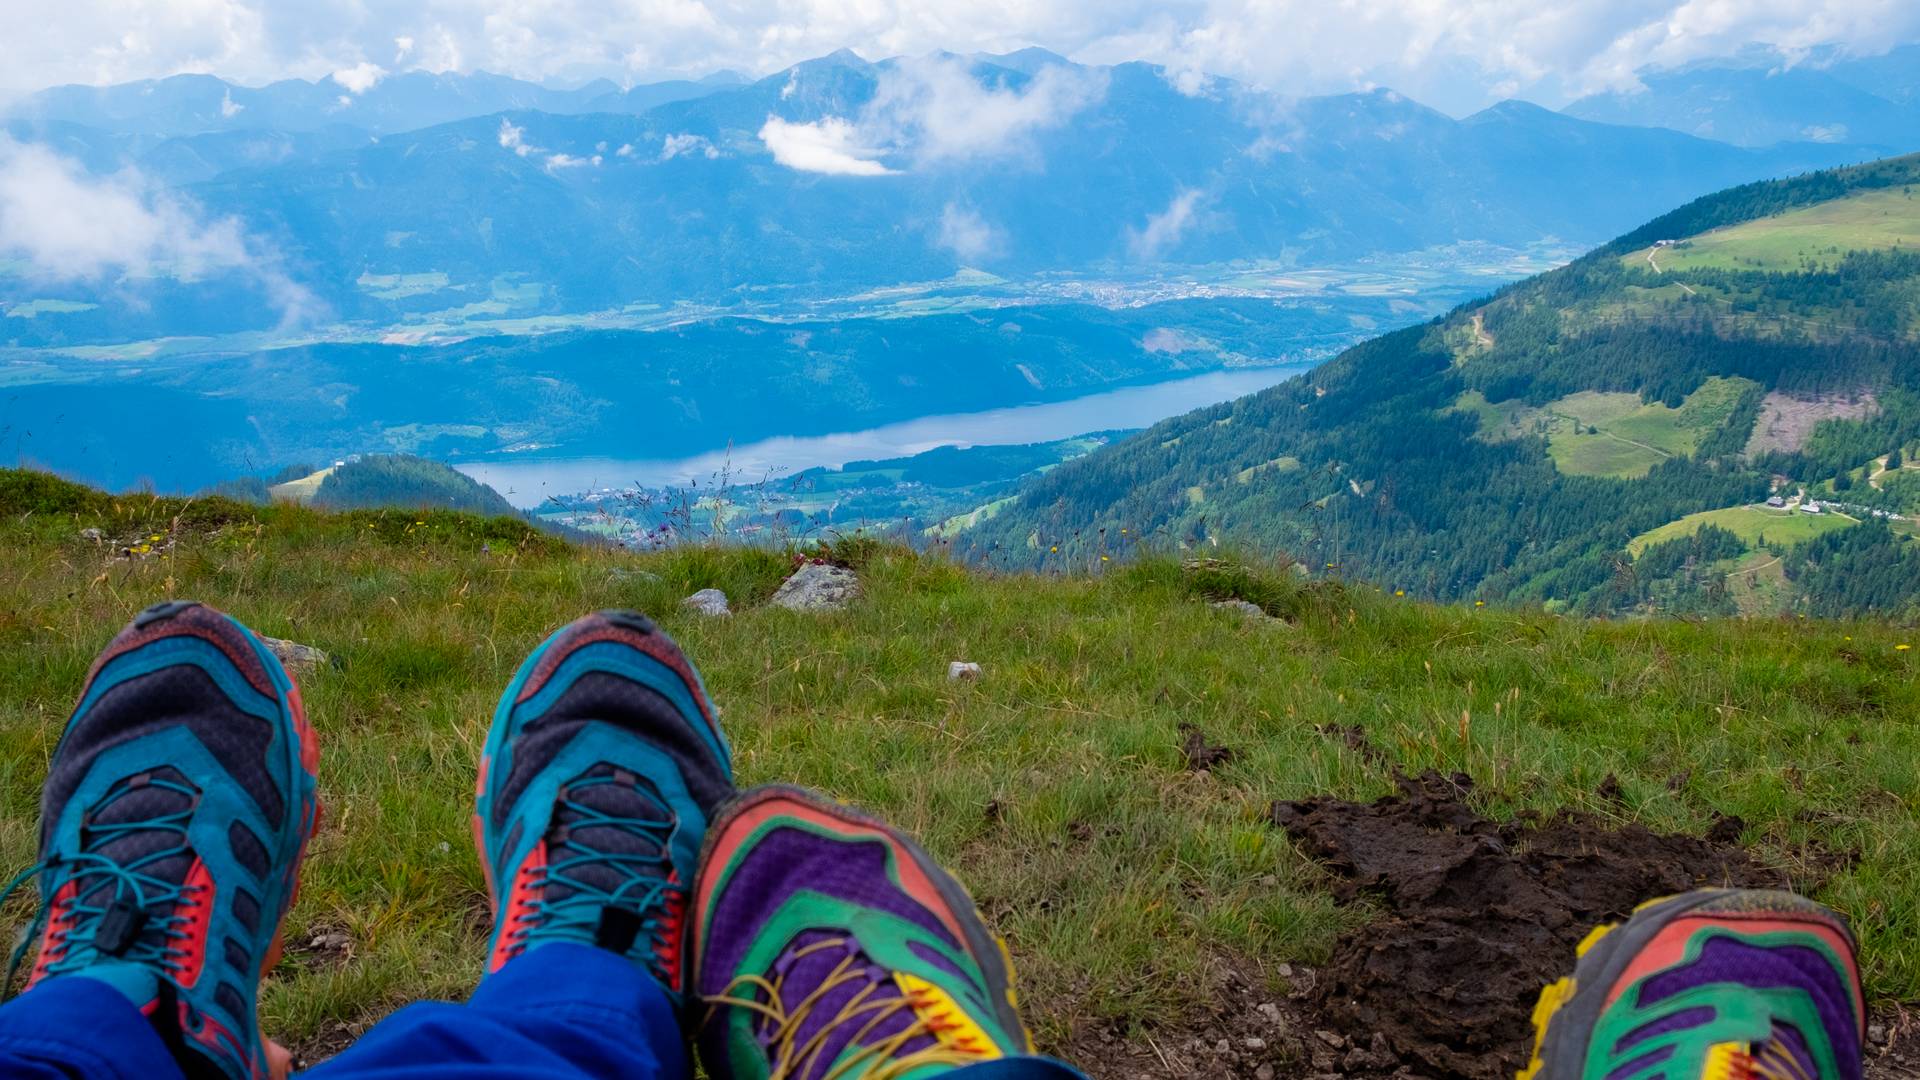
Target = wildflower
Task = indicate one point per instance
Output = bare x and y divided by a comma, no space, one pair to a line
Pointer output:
1902,647
1399,592
1103,558
1479,603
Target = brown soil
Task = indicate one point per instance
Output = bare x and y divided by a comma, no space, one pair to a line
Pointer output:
1476,918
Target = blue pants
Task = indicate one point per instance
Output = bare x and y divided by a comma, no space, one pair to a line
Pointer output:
560,1012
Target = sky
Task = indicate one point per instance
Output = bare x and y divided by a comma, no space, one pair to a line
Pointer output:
1457,55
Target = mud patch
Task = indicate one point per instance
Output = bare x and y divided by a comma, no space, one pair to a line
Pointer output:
1201,754
1479,916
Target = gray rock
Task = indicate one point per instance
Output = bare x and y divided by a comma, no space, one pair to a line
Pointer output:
708,602
298,659
1242,607
818,587
93,534
962,669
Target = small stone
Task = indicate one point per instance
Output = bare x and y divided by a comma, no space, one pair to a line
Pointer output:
1254,1042
445,848
298,659
1269,881
962,669
1877,1034
1269,1010
818,587
1241,607
329,941
1264,1072
708,602
1330,1038
1223,1047
92,534
1285,971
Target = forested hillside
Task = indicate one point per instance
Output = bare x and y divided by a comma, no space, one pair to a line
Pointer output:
1714,412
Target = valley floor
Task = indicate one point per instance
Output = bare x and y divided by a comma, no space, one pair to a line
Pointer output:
1151,904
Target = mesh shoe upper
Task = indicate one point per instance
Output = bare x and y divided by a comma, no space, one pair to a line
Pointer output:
601,770
172,820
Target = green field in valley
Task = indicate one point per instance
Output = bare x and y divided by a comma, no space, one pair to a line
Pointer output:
1869,221
1596,433
1756,525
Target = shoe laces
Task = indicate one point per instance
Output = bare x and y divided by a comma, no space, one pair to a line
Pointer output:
600,893
116,909
882,1059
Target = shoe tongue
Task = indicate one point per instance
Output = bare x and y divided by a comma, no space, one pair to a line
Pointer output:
141,827
582,830
853,993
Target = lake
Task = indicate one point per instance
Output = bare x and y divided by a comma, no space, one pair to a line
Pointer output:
527,482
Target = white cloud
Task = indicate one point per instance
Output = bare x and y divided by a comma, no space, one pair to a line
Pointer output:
936,112
829,146
626,150
229,108
514,138
692,145
937,108
968,235
1429,49
69,226
556,162
360,78
1167,228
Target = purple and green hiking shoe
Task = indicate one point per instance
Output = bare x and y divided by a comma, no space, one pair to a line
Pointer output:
1715,984
598,778
828,945
172,824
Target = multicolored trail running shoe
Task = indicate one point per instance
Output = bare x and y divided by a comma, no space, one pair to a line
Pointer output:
1716,984
172,825
603,766
828,945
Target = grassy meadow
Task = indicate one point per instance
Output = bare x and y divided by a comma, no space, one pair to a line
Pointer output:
1055,784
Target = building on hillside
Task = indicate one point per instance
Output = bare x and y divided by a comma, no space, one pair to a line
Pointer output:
1810,507
1776,502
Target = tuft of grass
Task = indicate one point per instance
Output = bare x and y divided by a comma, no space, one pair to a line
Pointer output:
1054,785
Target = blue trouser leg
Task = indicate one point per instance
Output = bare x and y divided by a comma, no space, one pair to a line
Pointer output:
78,1029
561,1012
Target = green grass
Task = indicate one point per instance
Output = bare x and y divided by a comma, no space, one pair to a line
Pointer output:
1868,221
1054,785
1780,529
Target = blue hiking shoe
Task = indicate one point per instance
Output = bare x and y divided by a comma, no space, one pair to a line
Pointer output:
603,767
172,824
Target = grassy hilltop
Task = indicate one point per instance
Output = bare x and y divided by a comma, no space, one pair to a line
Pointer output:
1056,784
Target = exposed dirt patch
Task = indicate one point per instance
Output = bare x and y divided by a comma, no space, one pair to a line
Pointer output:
1785,421
1201,755
1479,916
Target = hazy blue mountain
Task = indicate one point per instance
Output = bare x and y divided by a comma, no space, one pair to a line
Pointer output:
1760,106
196,104
578,212
1894,75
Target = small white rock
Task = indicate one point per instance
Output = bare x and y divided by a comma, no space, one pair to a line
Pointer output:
818,587
962,669
708,602
93,534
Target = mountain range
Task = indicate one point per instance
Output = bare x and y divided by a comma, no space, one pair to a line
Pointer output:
1717,411
834,176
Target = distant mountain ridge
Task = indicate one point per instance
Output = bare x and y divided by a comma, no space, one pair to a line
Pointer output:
543,209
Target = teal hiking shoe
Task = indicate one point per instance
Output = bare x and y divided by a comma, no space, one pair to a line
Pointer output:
172,824
604,763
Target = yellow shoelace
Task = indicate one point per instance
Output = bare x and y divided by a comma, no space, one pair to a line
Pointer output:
874,1062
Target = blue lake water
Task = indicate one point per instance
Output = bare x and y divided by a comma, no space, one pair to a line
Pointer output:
527,482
